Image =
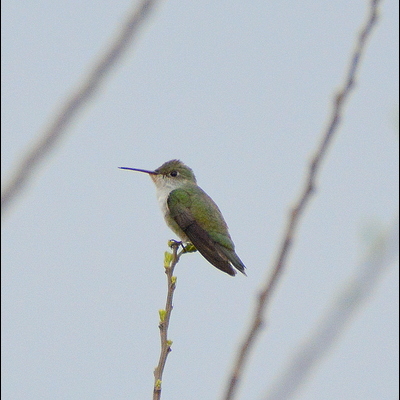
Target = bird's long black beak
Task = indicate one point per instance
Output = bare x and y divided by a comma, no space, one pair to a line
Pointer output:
140,170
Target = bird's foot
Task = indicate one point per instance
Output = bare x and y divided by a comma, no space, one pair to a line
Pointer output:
188,248
172,243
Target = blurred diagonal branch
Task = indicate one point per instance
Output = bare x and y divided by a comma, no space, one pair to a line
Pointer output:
380,257
74,103
305,196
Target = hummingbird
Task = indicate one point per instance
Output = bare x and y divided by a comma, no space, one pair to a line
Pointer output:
193,216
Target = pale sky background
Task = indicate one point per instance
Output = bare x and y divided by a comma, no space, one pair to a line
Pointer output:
239,91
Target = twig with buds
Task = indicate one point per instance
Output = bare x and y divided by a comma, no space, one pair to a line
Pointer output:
170,261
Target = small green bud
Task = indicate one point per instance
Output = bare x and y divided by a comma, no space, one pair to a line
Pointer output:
157,385
173,280
167,259
190,248
169,343
162,314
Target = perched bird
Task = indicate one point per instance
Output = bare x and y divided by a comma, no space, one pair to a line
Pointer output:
193,215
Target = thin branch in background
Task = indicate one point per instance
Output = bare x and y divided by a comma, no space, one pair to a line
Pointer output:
294,219
170,261
380,257
74,103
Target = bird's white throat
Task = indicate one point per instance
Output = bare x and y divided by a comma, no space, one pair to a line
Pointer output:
164,187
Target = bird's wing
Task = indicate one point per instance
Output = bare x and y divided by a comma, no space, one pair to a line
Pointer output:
180,206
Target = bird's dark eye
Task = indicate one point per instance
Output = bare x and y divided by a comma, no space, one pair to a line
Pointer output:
174,173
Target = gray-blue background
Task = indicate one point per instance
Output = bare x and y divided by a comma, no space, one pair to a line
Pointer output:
240,91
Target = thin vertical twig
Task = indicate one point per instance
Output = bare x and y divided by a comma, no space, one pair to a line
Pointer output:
294,218
74,103
165,316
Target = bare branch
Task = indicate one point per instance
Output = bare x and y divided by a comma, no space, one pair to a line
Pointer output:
74,103
380,257
294,218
